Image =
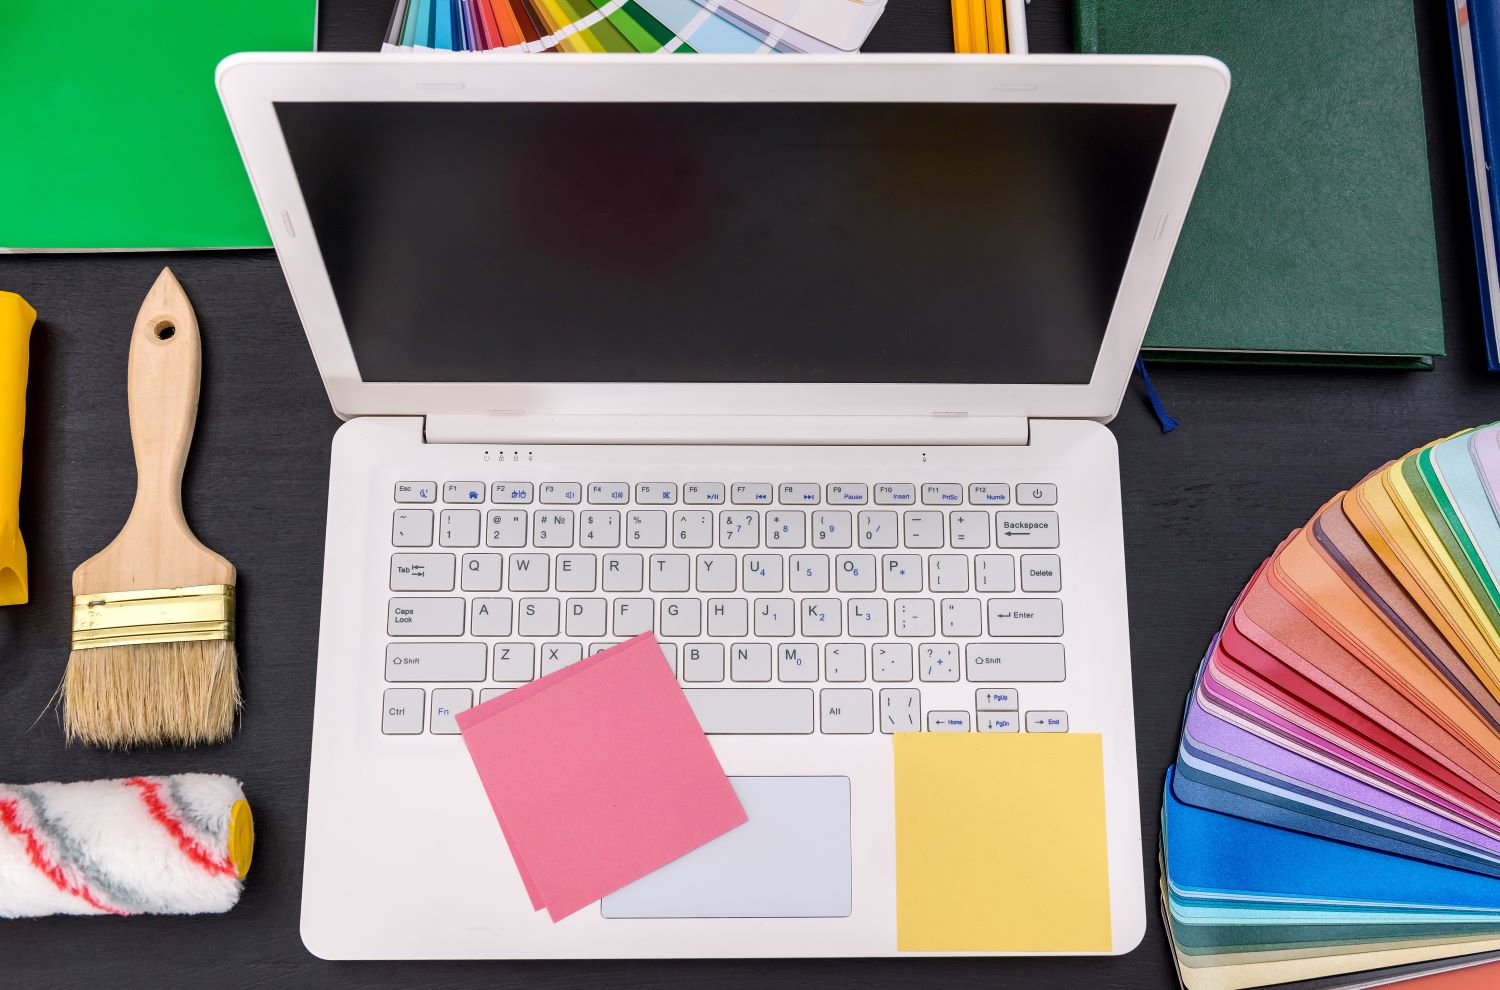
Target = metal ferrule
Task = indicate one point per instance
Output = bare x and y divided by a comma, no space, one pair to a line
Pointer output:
166,615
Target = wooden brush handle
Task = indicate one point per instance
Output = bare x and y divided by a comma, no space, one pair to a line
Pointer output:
156,549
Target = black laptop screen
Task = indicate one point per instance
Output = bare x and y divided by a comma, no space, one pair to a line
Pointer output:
725,242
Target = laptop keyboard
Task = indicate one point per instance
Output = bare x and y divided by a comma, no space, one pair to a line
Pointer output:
783,608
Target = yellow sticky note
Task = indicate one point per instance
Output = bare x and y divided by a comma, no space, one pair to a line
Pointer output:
1000,843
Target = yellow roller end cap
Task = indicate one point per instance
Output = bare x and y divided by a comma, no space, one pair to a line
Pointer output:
241,836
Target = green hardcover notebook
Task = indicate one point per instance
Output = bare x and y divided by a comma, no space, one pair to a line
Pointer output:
1310,237
115,135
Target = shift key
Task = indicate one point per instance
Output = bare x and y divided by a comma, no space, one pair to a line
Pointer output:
1011,662
426,617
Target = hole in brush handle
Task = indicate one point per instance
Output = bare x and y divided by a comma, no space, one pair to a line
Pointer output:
165,330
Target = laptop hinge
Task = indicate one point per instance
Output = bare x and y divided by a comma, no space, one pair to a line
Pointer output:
939,428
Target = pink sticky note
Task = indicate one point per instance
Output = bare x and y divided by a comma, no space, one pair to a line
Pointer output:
599,774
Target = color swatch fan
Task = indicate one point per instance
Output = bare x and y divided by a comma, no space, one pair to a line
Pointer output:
675,26
1335,803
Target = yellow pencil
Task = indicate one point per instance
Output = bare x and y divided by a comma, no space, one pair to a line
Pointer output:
961,36
998,35
978,29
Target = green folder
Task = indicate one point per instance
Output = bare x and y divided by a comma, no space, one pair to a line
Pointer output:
115,135
1310,237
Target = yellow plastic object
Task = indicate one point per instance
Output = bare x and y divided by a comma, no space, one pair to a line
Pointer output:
241,836
16,319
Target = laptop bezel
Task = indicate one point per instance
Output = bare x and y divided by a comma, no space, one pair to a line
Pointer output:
251,84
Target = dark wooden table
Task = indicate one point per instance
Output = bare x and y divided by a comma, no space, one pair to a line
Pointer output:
1258,451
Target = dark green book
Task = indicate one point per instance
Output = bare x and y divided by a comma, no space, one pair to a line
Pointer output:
1310,237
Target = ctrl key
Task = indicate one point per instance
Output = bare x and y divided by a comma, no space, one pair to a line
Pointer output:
402,714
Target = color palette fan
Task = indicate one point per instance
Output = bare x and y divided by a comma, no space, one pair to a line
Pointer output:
1335,803
674,26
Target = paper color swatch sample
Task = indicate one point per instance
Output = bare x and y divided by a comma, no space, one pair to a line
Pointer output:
598,774
1335,803
116,136
723,27
1000,843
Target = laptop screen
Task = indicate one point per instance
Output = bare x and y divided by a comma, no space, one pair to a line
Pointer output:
725,242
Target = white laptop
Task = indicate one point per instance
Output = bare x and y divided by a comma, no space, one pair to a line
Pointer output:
799,362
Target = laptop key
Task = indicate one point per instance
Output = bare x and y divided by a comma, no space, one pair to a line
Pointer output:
633,616
739,529
947,721
844,662
962,617
879,528
847,711
703,493
891,661
924,530
575,572
459,528
622,572
994,572
446,703
775,616
491,617
1012,662
556,656
435,662
403,711
463,491
646,528
703,662
762,572
416,491
505,528
854,572
421,572
599,528
716,571
538,617
561,493
528,572
848,493
669,571
894,494
753,711
425,617
833,528
797,662
1041,572
656,492
1026,529
1032,493
608,493
692,528
900,710
916,617
901,572
989,494
750,662
514,662
554,528
750,493
516,492
480,572
937,662
411,528
798,493
786,529
942,494
809,572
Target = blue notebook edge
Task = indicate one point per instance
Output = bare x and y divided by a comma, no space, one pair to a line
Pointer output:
1481,266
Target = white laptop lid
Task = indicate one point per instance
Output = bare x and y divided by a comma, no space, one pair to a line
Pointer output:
669,236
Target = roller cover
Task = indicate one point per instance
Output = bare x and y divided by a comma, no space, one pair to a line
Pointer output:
140,845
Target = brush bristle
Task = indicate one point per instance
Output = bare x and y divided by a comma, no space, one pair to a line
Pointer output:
151,695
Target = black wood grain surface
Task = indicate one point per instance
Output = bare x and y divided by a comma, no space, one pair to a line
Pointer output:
1258,452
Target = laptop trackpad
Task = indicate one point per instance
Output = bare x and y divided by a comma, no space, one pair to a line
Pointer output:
792,859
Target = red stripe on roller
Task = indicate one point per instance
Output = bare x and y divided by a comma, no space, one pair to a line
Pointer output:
10,817
191,848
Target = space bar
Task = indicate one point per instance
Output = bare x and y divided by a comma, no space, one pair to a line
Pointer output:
752,711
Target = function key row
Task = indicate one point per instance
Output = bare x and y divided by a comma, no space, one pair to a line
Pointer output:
718,493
